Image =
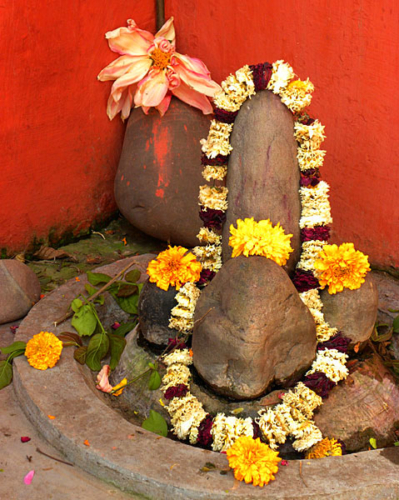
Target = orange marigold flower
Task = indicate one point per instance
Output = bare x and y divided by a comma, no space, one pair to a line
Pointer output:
253,461
341,267
260,238
43,350
174,267
119,388
325,448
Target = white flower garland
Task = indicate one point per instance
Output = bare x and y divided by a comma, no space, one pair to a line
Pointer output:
292,417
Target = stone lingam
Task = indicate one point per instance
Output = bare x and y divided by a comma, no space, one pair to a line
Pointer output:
252,330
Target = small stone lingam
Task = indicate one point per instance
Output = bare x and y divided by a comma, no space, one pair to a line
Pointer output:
255,330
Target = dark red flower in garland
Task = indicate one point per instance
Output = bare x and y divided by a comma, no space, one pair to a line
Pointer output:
178,391
212,219
257,431
319,383
343,446
225,116
261,74
176,343
215,162
304,281
204,431
309,181
310,172
321,233
338,342
206,276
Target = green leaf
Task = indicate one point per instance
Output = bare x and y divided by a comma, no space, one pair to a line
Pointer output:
69,336
396,443
76,304
156,423
99,300
80,354
15,354
393,310
117,346
16,346
97,278
90,289
5,374
155,381
152,366
373,442
127,290
96,351
395,324
84,320
133,276
125,328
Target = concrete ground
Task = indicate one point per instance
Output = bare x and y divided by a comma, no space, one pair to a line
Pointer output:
53,480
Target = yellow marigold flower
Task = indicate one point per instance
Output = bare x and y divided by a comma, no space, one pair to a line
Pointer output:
174,267
253,461
43,350
260,238
325,448
341,267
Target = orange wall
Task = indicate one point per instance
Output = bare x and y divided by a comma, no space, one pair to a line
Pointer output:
59,150
350,51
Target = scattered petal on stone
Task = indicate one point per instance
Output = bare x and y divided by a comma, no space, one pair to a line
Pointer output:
25,439
42,295
116,325
29,476
14,328
86,442
124,241
77,279
51,417
284,462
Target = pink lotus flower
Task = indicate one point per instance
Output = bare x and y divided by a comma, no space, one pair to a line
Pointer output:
149,71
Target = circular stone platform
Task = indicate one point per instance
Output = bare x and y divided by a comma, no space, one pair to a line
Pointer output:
155,467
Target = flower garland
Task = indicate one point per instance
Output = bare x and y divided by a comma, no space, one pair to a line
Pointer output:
293,416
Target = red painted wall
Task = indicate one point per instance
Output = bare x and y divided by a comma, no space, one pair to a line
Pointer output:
59,150
350,51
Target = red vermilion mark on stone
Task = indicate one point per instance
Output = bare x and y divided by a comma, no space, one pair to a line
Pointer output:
128,183
185,128
160,158
144,167
147,145
122,177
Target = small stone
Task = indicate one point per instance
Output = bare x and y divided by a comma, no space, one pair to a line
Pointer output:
263,173
364,406
353,312
159,173
255,331
19,290
155,306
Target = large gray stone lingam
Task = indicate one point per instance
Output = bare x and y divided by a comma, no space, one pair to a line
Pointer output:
19,290
252,330
353,312
159,173
263,174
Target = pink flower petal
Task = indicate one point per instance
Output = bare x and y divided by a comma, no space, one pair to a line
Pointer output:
115,326
284,462
136,73
118,68
164,105
193,98
194,64
29,476
152,90
25,439
125,111
167,31
197,81
125,41
103,379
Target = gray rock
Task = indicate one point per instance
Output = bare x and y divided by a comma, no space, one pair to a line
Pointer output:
159,173
263,175
365,405
388,296
19,290
255,330
353,312
155,306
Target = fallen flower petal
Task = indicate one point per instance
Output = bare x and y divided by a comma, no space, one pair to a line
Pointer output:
14,328
115,326
86,442
29,476
122,384
103,379
51,417
284,462
25,439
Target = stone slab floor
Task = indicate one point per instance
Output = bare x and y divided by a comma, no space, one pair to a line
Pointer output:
52,480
